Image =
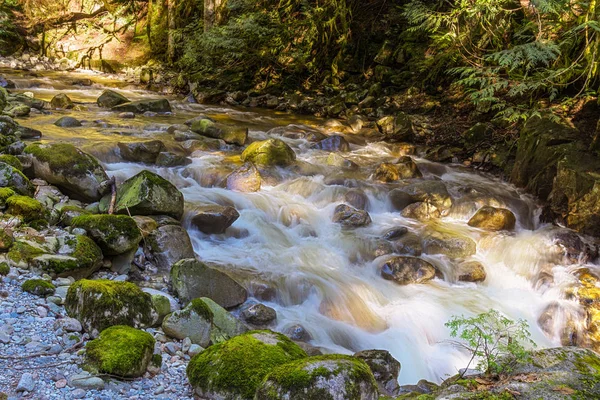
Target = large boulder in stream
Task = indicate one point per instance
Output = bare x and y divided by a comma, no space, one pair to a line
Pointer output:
230,135
142,106
350,217
192,279
115,234
76,173
110,99
214,218
430,191
405,270
493,219
61,101
453,245
142,152
271,152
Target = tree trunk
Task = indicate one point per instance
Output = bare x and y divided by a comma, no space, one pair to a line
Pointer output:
212,13
149,24
171,33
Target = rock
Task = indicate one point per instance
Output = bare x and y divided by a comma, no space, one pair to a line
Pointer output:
143,152
115,234
421,211
192,279
471,271
149,194
126,115
244,179
76,173
298,333
68,122
26,383
168,159
324,377
110,99
449,244
230,135
259,315
79,258
26,207
235,368
169,244
225,325
408,270
350,217
194,322
142,106
84,381
432,192
333,143
121,351
399,199
68,324
386,173
271,152
395,233
335,160
357,199
194,350
573,248
385,369
214,218
39,287
99,304
17,109
397,129
493,219
11,177
407,168
61,101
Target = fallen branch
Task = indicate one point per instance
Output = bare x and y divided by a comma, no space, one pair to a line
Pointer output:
113,195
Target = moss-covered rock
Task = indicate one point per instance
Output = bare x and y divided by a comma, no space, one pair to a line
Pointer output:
12,161
194,321
228,134
39,287
235,369
11,177
493,219
26,207
5,193
121,351
99,304
115,234
271,152
4,269
22,252
224,324
3,99
80,260
6,239
328,377
142,106
110,98
77,173
149,194
397,129
67,213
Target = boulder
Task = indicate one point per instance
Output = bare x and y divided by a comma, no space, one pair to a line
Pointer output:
328,377
68,122
357,199
493,219
453,245
399,199
259,315
386,172
168,244
168,159
235,369
385,369
397,129
78,257
229,134
471,271
335,143
192,279
110,99
244,179
194,321
350,217
336,160
407,168
432,192
225,325
38,287
143,152
11,177
405,270
271,152
99,304
26,207
395,233
120,351
61,101
142,106
16,109
115,234
76,173
214,218
421,211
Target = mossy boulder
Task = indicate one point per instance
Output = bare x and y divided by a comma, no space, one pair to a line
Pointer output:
12,161
39,287
23,251
110,98
120,351
328,377
77,173
194,321
271,152
67,213
224,324
192,279
26,207
385,369
115,234
80,258
5,193
6,239
493,219
11,177
149,194
4,269
16,109
3,99
142,106
142,152
99,304
230,135
234,369
62,101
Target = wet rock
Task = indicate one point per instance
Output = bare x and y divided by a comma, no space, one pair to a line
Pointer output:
421,211
395,233
397,129
126,115
408,270
230,135
399,199
79,257
407,168
385,369
259,315
24,132
335,160
194,322
271,152
169,244
84,381
214,218
449,244
17,109
10,177
573,248
493,219
432,192
61,101
115,234
192,279
326,375
110,99
471,271
144,152
357,199
168,159
244,179
298,333
350,217
335,143
386,173
68,122
142,106
224,325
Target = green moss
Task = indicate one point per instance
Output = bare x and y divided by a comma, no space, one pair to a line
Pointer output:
23,251
87,252
161,304
115,234
12,161
121,350
239,365
156,360
38,287
30,209
200,308
13,178
86,255
62,157
38,224
5,193
4,269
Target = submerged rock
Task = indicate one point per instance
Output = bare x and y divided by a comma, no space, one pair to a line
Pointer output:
110,99
350,217
453,245
244,179
408,270
333,143
471,271
68,122
271,152
493,219
214,218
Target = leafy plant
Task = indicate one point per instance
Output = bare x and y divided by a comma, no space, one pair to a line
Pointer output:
497,343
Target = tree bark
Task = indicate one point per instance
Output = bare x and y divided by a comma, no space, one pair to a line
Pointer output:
212,13
171,33
149,23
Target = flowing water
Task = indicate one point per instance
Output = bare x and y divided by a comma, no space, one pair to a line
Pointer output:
326,278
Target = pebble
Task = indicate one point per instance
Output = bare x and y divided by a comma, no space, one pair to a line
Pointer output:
42,311
172,348
69,324
61,383
78,393
26,383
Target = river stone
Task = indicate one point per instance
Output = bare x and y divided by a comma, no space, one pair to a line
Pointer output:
229,134
335,160
110,98
61,101
397,129
259,315
408,270
399,199
194,322
333,143
395,233
99,304
169,244
357,199
79,258
271,152
168,159
350,217
68,122
493,219
26,383
149,194
17,109
471,271
225,325
244,179
235,369
76,173
214,218
24,132
421,211
192,279
407,168
142,106
84,381
143,152
386,172
449,244
385,369
115,234
328,377
10,177
433,192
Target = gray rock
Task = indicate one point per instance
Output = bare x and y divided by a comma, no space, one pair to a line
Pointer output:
192,322
350,217
86,381
68,122
259,315
169,244
26,383
214,218
385,369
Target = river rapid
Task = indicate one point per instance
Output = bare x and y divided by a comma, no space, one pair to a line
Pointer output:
326,278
